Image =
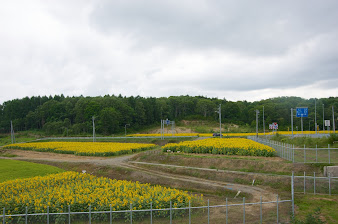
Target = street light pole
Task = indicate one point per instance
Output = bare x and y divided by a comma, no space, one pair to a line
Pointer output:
292,122
12,133
257,112
220,120
93,118
333,124
315,116
263,122
323,120
125,129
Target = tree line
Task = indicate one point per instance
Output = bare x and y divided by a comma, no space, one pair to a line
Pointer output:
73,115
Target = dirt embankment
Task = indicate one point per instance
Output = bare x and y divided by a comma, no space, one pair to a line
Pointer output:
237,163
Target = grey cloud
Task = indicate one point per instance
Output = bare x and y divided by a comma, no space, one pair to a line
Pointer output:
251,27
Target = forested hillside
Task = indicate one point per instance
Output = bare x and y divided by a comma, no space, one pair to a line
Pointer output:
55,115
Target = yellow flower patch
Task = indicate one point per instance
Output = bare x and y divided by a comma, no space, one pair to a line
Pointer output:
84,148
226,146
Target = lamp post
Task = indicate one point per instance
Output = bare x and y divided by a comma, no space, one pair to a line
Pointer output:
220,120
323,120
315,116
93,118
333,124
263,122
125,129
257,112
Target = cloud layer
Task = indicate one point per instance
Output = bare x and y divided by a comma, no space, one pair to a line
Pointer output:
237,50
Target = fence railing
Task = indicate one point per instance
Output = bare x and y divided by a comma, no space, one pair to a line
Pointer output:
301,155
315,184
129,214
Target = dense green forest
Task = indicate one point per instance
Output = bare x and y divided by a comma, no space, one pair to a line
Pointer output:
58,114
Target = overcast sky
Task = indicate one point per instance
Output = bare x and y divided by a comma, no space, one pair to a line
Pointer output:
237,50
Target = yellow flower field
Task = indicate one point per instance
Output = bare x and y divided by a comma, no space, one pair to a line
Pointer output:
84,148
226,146
166,135
231,134
58,191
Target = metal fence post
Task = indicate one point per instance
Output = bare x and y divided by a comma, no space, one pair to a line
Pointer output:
329,153
90,214
151,213
314,182
208,212
316,154
292,194
26,217
171,218
304,183
131,213
226,211
189,213
244,210
111,215
47,214
330,184
260,211
304,154
4,216
68,214
293,155
277,209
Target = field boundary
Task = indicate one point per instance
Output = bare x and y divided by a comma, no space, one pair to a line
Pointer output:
151,210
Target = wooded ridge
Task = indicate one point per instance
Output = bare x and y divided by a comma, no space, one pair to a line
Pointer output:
55,114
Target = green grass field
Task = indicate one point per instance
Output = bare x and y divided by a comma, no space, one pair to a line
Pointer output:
13,169
307,205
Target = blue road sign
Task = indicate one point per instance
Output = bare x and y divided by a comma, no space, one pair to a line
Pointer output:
302,112
167,122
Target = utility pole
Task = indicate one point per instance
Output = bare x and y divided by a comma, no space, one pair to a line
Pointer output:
220,121
315,116
257,112
12,133
292,122
333,124
93,118
263,122
125,129
323,120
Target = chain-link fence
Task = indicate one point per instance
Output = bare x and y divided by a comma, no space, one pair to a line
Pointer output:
301,155
314,184
244,212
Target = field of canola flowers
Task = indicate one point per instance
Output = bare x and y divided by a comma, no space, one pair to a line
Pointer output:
84,148
58,191
225,146
231,134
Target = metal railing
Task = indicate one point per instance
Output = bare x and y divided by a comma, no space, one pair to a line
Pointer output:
301,155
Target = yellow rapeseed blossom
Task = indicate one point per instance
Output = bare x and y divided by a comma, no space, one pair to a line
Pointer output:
226,146
84,148
230,134
58,191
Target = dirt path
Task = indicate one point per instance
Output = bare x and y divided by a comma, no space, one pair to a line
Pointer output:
256,192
